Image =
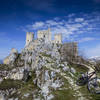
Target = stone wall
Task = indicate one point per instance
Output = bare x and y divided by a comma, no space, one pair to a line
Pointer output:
31,45
58,38
69,51
29,37
44,34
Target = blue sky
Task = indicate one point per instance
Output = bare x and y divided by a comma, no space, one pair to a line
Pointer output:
77,20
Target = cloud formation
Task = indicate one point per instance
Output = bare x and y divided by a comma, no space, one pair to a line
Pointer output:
70,26
86,39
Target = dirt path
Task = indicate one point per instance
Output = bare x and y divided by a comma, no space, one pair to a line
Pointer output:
71,82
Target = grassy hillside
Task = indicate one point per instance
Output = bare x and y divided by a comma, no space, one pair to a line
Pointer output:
69,91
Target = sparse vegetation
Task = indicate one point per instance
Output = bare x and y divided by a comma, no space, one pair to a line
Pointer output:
44,54
4,67
9,83
50,76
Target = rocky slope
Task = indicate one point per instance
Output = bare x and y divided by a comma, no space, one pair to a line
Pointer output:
41,74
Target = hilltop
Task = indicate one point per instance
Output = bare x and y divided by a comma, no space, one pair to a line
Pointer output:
43,71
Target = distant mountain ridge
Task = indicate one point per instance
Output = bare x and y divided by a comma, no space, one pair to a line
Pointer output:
96,58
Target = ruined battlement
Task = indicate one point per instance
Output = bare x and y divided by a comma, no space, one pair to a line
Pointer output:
29,37
58,38
44,34
44,37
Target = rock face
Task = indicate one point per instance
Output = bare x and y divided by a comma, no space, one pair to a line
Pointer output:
16,74
1,97
11,58
38,74
38,60
46,79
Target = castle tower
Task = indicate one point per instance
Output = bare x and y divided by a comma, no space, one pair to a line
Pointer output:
29,37
49,34
44,34
58,38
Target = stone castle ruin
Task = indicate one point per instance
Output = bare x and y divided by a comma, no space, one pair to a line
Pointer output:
58,38
44,40
43,67
44,34
69,51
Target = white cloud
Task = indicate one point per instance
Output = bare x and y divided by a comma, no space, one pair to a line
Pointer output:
51,22
84,23
86,39
37,25
79,19
61,26
34,26
71,15
69,26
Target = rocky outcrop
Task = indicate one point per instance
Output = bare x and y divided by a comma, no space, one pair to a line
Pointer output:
10,59
2,97
16,74
39,73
